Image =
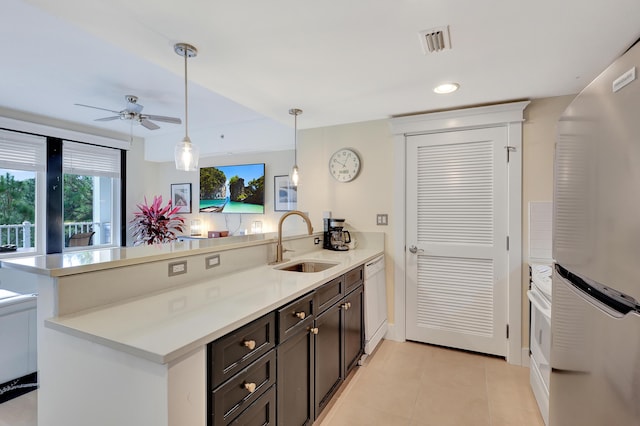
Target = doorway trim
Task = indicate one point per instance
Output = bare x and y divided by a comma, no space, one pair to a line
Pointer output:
511,116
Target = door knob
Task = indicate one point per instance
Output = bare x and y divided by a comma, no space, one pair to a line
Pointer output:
414,250
314,330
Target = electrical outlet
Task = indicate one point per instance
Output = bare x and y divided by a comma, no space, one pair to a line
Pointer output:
177,268
212,261
382,219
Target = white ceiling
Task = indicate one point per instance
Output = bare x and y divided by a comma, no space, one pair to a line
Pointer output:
340,61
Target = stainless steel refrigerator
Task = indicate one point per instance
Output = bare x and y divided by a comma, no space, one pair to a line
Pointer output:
595,320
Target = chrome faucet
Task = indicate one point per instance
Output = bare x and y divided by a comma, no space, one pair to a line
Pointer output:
279,250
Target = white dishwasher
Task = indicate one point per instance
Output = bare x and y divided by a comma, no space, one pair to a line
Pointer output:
375,303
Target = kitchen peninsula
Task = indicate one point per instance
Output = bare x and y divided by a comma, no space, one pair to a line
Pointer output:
123,333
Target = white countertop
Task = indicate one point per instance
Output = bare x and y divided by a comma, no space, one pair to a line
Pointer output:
165,326
88,260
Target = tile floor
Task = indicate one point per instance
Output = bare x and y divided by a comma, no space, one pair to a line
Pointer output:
405,384
20,411
421,385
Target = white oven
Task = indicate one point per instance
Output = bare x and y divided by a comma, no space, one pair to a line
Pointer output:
540,335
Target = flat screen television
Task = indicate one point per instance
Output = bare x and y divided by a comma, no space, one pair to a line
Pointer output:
232,189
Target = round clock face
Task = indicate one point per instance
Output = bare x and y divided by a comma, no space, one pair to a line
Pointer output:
344,165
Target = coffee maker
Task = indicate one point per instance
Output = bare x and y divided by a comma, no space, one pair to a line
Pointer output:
335,237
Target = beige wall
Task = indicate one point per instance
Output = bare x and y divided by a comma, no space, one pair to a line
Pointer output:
357,201
158,178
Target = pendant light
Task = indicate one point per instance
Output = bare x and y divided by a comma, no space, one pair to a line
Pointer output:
186,154
295,177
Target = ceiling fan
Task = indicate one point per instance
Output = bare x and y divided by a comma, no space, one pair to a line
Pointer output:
133,111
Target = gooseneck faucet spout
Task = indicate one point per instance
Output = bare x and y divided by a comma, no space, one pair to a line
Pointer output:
284,216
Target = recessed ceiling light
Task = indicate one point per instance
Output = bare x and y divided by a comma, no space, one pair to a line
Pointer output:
446,88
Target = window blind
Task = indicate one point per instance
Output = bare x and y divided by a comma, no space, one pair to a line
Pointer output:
19,151
90,160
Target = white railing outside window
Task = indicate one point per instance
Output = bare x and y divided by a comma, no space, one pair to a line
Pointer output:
22,235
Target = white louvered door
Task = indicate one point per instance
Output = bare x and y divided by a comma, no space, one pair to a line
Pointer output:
457,223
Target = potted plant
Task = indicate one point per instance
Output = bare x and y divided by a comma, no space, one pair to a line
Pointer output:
154,224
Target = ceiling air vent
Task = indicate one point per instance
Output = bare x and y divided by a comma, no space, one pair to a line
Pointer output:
435,39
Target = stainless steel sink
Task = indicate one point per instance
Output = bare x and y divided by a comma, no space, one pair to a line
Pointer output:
307,266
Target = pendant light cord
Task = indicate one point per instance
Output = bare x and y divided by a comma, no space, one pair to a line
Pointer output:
186,100
295,112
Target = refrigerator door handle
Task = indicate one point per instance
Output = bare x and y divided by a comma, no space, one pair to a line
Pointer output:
608,300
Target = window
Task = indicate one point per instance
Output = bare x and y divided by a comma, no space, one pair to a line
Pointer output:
91,195
22,167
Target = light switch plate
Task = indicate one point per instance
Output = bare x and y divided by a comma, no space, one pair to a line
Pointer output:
382,219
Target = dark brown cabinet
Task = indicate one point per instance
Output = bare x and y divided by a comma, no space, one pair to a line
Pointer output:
241,369
329,371
260,413
285,366
237,394
295,380
353,309
340,337
233,352
296,362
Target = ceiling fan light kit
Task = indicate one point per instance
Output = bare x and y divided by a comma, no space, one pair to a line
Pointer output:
186,154
133,112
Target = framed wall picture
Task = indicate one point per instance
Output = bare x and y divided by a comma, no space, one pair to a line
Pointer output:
181,196
285,194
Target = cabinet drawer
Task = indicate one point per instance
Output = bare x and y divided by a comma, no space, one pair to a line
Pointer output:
329,293
295,316
230,399
353,278
260,413
236,350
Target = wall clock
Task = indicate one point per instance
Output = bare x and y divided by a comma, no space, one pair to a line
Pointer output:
344,165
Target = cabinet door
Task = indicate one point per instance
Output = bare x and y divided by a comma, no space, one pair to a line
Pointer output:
295,380
353,328
328,356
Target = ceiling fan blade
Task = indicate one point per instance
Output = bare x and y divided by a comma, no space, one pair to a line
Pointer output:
107,118
164,119
148,124
103,109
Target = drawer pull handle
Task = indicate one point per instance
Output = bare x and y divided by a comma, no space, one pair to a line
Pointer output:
251,387
346,306
301,315
251,344
314,330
